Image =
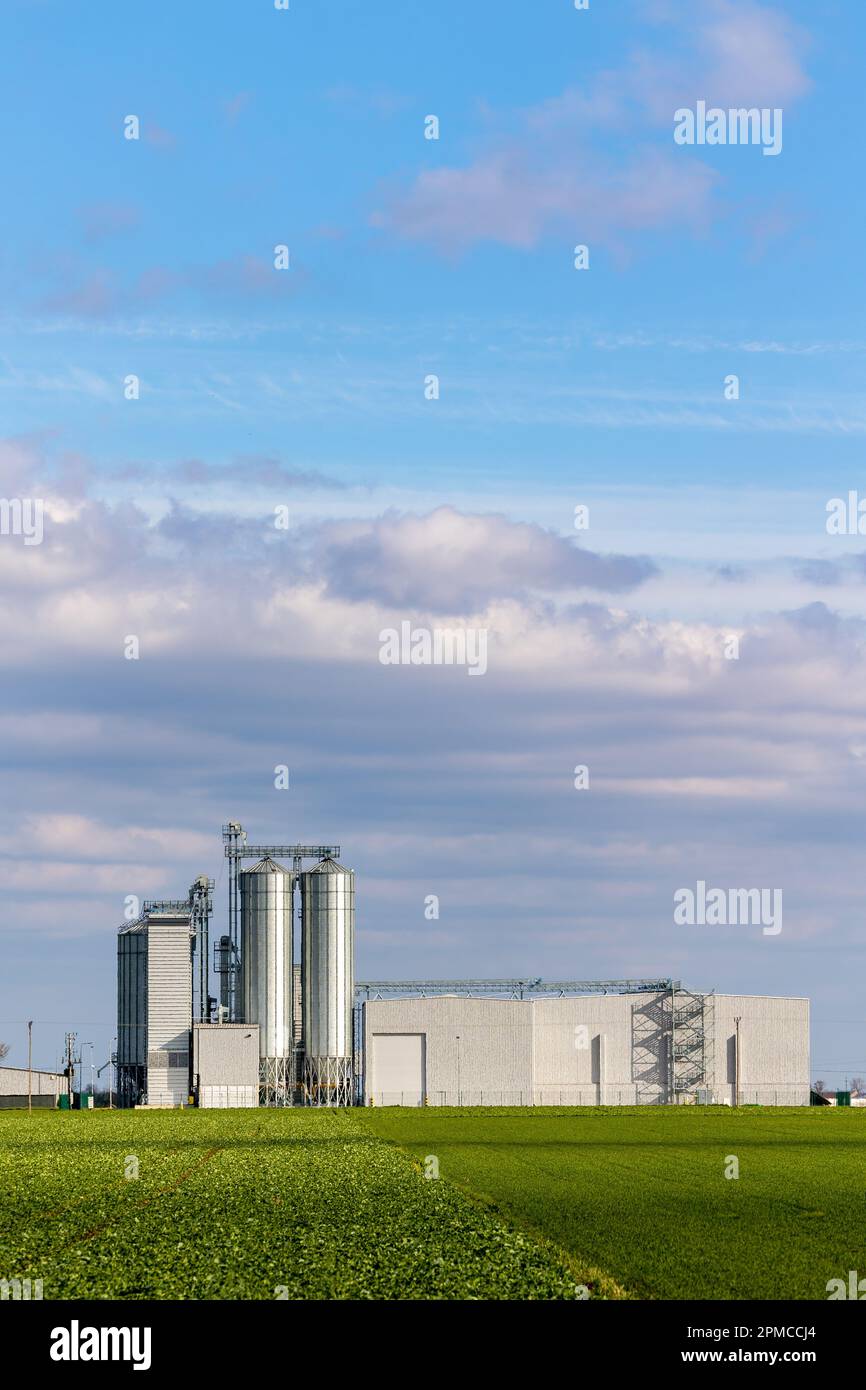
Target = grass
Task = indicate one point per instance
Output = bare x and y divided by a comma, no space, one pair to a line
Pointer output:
247,1204
641,1194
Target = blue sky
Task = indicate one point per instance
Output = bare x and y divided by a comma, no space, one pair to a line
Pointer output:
305,388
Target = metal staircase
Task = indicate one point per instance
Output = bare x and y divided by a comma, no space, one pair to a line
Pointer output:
692,1046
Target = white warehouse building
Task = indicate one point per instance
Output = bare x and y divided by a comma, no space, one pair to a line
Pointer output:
658,1046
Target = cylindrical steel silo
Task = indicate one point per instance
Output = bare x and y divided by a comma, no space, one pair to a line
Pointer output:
328,949
266,971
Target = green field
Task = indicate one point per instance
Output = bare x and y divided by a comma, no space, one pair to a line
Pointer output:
246,1204
261,1204
642,1193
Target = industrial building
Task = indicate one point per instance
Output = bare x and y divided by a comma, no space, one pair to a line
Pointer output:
278,1033
21,1087
658,1046
154,1002
290,1025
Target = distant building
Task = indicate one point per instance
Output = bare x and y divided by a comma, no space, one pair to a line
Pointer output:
46,1087
652,1048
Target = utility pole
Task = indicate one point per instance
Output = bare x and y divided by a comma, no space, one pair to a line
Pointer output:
91,1102
70,1073
30,1067
112,1058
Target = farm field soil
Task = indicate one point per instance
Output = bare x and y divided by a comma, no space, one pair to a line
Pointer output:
642,1194
247,1204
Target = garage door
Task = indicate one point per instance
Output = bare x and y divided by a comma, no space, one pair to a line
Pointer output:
399,1069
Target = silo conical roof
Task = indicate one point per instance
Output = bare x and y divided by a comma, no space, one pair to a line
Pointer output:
330,866
266,866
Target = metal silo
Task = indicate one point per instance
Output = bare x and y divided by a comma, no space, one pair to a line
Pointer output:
266,972
328,948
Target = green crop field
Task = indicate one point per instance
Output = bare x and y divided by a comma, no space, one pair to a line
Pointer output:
254,1204
262,1204
642,1194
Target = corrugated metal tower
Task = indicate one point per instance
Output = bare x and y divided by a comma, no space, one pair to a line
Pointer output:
266,976
328,974
154,1005
131,1015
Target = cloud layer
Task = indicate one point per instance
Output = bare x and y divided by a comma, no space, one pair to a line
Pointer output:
546,174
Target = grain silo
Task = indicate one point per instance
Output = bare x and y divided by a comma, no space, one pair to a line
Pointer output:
328,948
266,972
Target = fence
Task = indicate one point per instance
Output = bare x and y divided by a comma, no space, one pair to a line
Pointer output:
544,1095
783,1094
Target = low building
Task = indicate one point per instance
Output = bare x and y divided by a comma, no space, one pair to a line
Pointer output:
665,1047
18,1084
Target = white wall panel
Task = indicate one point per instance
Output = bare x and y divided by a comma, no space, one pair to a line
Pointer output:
399,1075
596,1049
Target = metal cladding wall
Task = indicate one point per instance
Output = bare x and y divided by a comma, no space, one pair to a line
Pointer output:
266,955
169,1009
479,1050
154,1008
132,997
328,916
226,1064
586,1050
13,1082
774,1049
